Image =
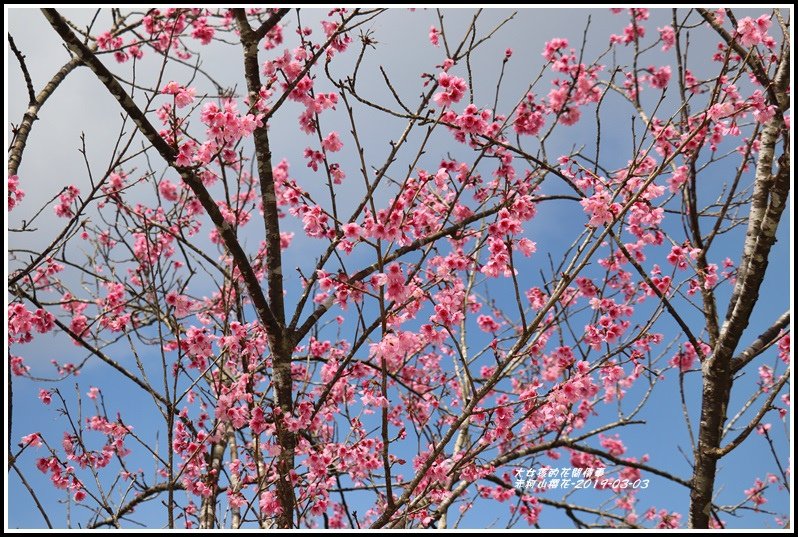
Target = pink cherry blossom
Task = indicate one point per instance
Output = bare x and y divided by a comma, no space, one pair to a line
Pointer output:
332,143
426,303
487,323
660,77
752,32
65,201
453,89
755,494
600,208
15,194
668,37
553,47
529,117
169,190
183,96
434,35
45,396
352,230
32,440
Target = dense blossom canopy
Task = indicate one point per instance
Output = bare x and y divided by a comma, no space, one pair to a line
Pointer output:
365,332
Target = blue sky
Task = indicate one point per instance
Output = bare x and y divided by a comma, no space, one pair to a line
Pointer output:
82,105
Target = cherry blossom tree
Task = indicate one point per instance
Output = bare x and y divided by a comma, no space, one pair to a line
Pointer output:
426,358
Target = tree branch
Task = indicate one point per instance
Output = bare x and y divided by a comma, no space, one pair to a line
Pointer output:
32,493
282,346
767,205
140,498
31,114
97,352
393,256
631,464
263,155
722,452
765,339
168,153
750,57
269,23
25,73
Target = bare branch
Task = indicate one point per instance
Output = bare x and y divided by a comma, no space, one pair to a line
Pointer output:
760,344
